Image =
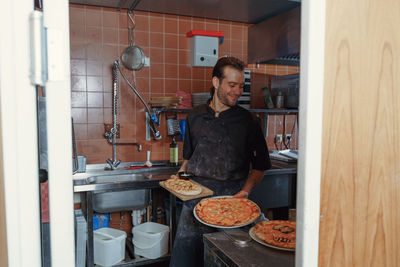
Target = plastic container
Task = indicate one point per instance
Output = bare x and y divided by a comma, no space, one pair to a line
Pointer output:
109,246
101,220
150,239
80,239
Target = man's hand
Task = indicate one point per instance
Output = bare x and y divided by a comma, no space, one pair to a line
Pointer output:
241,194
174,176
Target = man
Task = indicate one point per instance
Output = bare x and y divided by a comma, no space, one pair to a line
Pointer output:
222,140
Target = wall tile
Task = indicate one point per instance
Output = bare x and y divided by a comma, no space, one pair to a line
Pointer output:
94,100
94,115
156,55
95,131
78,83
184,26
123,37
78,67
77,16
79,115
141,38
157,70
171,41
109,52
94,34
184,57
77,34
226,29
185,85
171,85
171,25
94,51
123,19
184,42
237,32
107,115
80,130
110,19
198,73
156,24
156,39
211,26
94,67
171,71
97,38
142,85
108,100
78,99
199,24
141,23
107,84
236,47
93,17
110,36
171,56
157,85
185,72
77,51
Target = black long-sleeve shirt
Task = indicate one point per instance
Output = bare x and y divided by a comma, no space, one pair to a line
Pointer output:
224,147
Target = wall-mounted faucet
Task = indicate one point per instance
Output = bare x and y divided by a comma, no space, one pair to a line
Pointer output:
112,135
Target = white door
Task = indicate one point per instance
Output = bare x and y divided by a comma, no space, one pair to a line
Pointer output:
19,135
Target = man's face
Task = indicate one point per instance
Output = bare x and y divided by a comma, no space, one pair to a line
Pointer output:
230,87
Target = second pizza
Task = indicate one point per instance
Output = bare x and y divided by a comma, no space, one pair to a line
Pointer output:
184,187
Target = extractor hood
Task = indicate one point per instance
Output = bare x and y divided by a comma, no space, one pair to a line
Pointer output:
276,40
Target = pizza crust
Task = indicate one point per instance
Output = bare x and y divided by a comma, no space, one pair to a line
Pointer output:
184,187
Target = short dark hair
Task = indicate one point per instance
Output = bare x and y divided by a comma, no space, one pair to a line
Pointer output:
218,70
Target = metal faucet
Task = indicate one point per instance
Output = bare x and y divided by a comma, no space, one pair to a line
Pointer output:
112,135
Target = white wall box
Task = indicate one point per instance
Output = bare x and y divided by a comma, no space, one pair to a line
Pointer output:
204,48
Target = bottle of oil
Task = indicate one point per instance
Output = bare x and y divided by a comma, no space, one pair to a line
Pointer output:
173,153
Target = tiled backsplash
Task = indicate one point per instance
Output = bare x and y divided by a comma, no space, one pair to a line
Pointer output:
98,36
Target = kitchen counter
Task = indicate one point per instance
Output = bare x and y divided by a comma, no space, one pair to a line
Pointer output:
219,250
92,181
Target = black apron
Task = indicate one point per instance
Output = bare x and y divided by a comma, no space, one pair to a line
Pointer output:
188,247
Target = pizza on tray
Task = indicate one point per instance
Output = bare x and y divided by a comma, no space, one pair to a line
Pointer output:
184,187
277,233
226,211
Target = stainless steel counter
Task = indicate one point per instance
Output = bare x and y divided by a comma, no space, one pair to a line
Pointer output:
219,250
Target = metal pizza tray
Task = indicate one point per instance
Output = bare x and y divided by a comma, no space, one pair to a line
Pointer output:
224,227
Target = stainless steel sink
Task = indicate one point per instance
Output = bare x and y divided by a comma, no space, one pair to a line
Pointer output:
119,200
116,190
116,178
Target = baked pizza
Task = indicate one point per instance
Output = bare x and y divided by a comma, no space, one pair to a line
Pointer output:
184,187
277,233
227,211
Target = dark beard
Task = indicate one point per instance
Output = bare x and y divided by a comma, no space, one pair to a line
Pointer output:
224,99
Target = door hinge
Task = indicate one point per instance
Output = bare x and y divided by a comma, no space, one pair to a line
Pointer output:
38,50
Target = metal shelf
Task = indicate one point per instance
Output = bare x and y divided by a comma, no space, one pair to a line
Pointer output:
260,110
266,112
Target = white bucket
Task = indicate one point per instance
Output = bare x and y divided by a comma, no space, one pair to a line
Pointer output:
150,239
109,246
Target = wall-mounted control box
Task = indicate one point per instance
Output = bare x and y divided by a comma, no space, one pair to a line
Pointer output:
203,48
204,51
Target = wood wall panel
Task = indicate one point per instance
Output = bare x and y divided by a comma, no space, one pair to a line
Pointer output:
360,179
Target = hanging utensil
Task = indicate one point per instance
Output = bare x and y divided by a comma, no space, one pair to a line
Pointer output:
132,57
